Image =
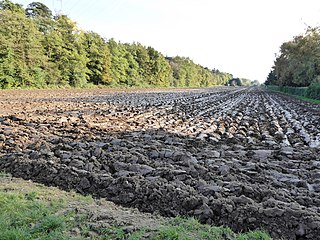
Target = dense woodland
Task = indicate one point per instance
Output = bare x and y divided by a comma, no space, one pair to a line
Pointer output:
38,49
298,63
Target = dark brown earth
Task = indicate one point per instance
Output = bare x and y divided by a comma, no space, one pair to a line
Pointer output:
240,157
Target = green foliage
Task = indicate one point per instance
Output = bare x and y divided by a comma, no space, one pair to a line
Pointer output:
272,78
310,94
299,91
32,211
132,67
99,59
119,63
183,229
190,229
246,82
7,68
255,83
37,9
234,82
42,16
313,91
4,175
22,55
298,64
186,73
311,100
49,224
242,82
159,68
39,50
118,233
10,6
254,235
70,55
141,57
26,217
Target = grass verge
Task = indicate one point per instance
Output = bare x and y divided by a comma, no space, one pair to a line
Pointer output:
33,211
314,101
189,229
301,97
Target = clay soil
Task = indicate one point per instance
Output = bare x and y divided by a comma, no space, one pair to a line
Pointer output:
240,157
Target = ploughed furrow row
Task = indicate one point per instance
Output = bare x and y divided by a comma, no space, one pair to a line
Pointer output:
272,127
300,122
241,157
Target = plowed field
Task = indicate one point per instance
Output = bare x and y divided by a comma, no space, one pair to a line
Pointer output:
241,157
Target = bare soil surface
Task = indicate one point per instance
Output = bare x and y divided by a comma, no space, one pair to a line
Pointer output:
241,157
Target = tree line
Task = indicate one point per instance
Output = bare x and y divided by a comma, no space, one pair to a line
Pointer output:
39,49
298,63
242,82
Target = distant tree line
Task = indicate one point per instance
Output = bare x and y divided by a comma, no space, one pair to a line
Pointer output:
298,65
186,73
242,82
38,49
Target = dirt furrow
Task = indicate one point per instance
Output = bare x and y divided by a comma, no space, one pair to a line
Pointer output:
235,157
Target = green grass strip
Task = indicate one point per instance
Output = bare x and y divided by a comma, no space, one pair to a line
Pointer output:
33,211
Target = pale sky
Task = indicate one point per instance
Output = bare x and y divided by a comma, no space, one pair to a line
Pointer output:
236,36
